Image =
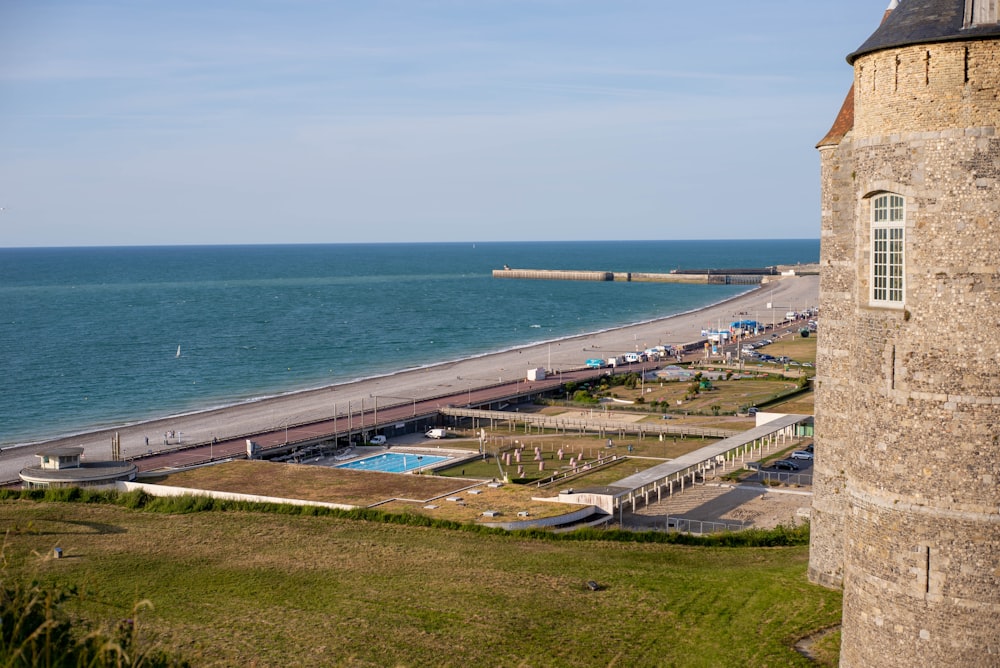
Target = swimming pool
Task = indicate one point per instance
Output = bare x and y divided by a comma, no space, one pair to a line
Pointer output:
393,462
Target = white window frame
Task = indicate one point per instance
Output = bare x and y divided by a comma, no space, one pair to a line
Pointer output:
888,245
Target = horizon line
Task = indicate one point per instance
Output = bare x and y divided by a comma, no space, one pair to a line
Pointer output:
402,243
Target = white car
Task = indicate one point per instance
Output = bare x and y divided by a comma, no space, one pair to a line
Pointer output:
378,440
801,454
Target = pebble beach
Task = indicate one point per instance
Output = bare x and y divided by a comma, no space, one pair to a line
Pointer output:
270,413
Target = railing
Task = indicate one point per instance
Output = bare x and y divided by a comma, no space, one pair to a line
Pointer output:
784,478
599,425
684,525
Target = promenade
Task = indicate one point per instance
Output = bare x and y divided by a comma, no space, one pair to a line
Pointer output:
417,385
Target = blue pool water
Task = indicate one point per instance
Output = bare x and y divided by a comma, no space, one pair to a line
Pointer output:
393,462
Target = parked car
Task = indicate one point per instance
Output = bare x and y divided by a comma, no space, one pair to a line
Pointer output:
801,454
378,440
785,465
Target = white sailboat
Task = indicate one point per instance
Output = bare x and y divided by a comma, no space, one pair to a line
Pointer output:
178,352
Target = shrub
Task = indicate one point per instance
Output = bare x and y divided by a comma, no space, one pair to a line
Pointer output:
37,632
781,536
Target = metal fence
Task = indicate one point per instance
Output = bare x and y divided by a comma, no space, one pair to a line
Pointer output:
784,478
683,525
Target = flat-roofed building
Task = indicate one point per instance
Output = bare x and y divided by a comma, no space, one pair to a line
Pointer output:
64,467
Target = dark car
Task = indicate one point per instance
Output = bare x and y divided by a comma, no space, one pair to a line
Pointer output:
785,465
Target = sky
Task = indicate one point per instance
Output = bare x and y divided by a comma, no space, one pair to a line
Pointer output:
146,122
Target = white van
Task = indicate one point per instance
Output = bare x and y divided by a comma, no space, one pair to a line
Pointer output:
378,440
436,433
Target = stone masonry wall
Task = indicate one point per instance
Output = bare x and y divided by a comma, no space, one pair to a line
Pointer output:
927,88
907,505
833,397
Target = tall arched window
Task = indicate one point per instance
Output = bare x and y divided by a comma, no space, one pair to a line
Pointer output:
888,220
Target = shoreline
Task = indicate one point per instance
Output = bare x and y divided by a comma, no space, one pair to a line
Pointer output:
231,403
273,412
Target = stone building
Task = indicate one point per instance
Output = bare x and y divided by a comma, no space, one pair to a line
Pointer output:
906,513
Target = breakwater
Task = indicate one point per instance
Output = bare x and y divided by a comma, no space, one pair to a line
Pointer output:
716,276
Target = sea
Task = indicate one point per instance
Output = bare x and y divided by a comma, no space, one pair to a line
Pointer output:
96,337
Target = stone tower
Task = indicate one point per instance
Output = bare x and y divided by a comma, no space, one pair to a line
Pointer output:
906,513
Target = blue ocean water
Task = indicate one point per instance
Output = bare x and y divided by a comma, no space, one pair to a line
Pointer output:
89,336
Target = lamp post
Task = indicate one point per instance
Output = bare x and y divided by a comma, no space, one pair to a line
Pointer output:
411,399
284,423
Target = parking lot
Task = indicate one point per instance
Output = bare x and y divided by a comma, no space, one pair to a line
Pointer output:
794,469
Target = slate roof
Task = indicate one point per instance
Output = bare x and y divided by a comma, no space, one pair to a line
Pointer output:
924,22
843,124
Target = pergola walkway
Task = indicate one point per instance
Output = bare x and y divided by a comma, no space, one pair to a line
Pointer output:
664,479
582,425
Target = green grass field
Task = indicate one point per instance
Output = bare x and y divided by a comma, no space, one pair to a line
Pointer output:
240,588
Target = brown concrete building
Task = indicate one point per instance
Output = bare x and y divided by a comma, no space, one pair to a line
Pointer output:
906,513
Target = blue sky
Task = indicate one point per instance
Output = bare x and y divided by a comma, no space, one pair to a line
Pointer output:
145,122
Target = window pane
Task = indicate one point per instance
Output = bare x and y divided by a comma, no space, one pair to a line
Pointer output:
888,218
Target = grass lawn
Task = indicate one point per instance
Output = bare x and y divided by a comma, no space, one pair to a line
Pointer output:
243,588
798,348
803,404
729,396
434,495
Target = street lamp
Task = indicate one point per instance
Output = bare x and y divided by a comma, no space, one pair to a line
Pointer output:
284,423
412,399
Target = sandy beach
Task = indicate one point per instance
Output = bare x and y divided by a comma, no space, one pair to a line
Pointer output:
795,293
